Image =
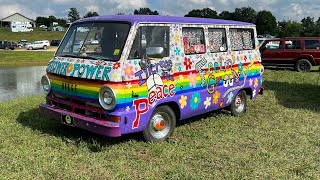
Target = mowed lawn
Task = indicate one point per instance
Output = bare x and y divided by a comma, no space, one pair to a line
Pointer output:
12,58
36,35
277,138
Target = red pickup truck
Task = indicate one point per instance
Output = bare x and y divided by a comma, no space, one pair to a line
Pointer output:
300,52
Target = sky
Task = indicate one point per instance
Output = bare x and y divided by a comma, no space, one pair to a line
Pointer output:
294,10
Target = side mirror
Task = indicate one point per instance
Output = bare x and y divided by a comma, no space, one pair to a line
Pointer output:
155,52
144,62
262,48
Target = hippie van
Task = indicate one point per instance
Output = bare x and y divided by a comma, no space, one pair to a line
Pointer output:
148,72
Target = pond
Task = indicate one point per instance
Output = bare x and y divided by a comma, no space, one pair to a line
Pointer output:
20,81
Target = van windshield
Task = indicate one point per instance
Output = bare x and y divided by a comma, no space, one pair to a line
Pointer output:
101,41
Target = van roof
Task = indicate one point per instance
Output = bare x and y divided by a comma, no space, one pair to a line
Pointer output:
135,19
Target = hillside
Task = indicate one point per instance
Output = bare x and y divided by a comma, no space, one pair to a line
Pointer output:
37,34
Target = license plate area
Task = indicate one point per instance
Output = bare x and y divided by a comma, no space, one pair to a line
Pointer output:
67,119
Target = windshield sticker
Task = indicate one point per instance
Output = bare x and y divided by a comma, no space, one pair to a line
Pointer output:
116,52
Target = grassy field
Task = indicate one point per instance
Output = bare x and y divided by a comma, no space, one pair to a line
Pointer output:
12,58
277,138
37,34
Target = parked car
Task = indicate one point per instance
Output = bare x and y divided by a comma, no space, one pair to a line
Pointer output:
39,45
22,43
6,45
300,52
55,42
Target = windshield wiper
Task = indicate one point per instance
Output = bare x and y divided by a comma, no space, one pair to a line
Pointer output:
69,55
85,57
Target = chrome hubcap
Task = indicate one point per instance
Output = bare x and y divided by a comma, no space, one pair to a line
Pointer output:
160,125
239,103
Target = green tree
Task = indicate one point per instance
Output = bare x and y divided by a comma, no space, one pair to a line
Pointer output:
42,21
317,28
91,14
73,15
145,11
226,15
266,23
289,29
308,27
245,14
203,13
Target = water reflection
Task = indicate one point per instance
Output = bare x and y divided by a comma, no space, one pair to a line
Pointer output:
20,81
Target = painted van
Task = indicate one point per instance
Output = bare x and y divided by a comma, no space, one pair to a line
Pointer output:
145,73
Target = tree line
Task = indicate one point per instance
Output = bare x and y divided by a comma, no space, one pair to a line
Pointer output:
265,21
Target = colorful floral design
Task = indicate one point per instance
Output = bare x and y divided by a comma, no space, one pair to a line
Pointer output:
250,82
207,102
230,97
193,80
128,84
216,97
128,71
254,93
180,68
177,38
195,100
177,51
221,103
181,77
183,101
256,83
187,63
116,65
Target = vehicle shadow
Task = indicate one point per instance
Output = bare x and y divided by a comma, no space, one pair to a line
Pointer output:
280,68
75,136
287,68
296,96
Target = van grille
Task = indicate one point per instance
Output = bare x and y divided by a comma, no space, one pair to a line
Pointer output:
77,106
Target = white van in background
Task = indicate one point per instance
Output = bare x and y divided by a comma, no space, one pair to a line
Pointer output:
21,27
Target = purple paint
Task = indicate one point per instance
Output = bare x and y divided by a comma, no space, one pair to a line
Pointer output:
135,19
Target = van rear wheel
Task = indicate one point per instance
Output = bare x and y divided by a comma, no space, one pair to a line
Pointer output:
45,47
161,124
303,65
239,104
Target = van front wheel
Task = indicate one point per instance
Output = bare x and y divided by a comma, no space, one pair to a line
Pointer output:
303,65
161,124
239,104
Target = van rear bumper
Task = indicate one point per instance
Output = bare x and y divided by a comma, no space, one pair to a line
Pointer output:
106,128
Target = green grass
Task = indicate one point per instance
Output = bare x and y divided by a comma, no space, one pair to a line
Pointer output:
277,138
12,58
37,34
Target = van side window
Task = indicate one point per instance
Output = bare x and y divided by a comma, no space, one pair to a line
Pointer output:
154,36
292,44
311,44
217,40
242,39
193,41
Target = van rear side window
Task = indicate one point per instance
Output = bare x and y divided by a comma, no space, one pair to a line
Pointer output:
217,40
193,41
242,39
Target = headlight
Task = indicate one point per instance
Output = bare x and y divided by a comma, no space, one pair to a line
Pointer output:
45,83
107,98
